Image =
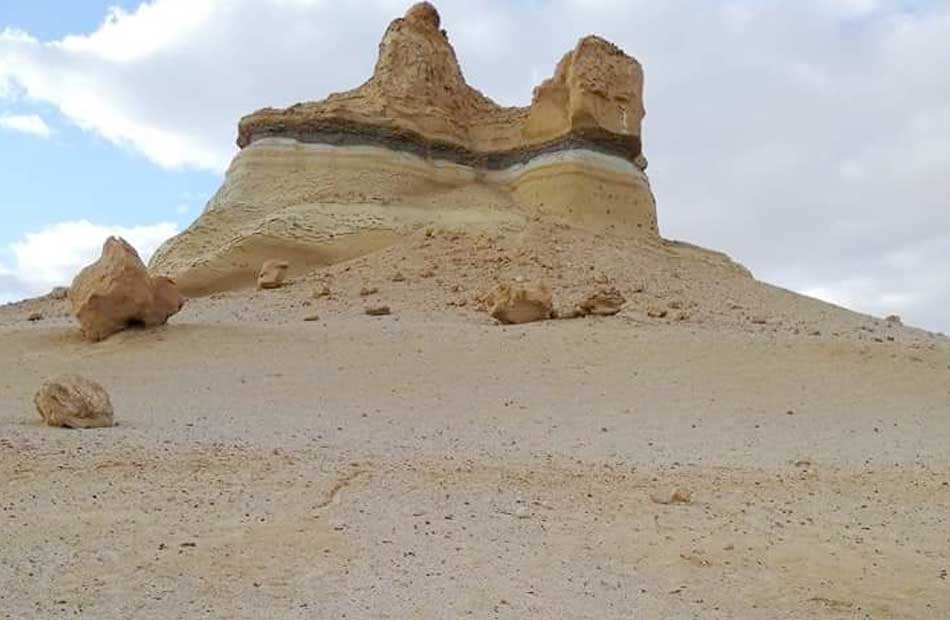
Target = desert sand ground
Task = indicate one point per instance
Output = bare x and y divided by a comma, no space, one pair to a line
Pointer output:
432,464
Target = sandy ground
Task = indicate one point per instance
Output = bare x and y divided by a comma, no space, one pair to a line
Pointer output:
430,464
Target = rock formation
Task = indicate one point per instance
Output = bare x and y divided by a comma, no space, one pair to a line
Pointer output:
416,146
117,292
74,402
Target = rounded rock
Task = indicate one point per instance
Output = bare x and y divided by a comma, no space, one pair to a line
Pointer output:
72,401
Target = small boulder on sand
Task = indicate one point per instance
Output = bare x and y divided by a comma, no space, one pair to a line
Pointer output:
117,292
676,495
74,402
378,311
521,303
603,302
273,274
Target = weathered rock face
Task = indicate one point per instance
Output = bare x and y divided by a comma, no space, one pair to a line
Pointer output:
414,146
117,292
74,402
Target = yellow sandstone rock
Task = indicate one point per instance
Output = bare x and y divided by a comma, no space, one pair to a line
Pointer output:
518,304
273,274
74,402
416,147
117,292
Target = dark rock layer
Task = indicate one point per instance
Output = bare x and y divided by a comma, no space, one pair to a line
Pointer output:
350,133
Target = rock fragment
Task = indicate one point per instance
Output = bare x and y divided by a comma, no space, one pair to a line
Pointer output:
603,302
72,401
522,303
676,495
117,292
273,274
378,311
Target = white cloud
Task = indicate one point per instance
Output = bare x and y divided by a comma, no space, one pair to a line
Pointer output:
807,139
171,79
852,7
31,124
54,255
154,27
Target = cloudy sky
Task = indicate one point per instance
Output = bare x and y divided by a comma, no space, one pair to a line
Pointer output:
810,140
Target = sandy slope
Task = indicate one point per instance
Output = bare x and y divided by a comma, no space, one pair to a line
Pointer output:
430,464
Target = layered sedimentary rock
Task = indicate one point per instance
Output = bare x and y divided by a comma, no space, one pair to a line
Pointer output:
416,146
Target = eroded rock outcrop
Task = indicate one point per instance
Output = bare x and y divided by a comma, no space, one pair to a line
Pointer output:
117,292
415,146
72,401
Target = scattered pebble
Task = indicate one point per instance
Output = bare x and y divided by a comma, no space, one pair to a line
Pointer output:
675,495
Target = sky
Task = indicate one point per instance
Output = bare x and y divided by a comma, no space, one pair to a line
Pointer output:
809,140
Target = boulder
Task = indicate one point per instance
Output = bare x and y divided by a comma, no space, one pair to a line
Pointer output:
74,402
603,302
517,304
117,292
273,274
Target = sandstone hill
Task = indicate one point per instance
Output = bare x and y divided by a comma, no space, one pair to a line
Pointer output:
416,193
416,146
359,437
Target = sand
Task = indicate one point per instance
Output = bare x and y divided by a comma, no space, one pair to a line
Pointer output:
432,464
